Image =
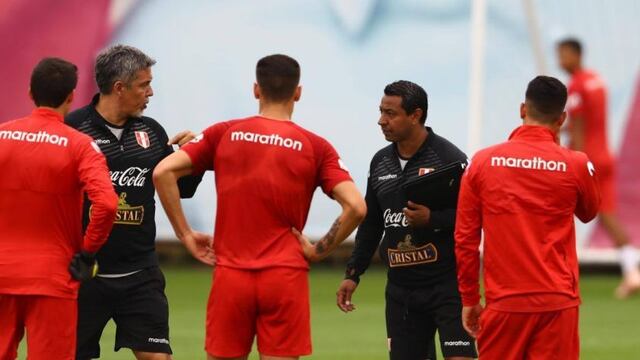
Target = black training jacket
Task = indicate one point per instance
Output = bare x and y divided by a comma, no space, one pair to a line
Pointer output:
416,257
131,160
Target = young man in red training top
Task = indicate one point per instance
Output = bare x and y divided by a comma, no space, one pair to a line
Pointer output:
523,194
587,107
48,166
266,170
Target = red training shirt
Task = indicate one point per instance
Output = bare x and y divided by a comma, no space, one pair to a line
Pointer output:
523,194
46,167
588,100
266,172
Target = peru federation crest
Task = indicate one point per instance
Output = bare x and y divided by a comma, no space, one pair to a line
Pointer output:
143,139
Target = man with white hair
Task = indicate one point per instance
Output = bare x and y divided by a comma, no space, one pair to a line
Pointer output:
130,286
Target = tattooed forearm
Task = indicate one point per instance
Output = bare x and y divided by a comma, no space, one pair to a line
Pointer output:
329,239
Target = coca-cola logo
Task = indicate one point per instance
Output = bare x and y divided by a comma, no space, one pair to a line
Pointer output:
131,177
396,219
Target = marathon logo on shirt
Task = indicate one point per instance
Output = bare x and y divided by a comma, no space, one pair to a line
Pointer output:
408,254
394,219
273,139
39,137
457,343
534,163
158,341
131,177
387,177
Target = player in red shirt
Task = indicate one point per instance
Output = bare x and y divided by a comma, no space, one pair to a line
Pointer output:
267,169
587,107
523,194
46,167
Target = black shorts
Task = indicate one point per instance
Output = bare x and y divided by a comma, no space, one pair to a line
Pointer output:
414,315
136,303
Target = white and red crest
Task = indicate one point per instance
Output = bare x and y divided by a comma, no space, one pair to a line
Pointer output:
143,139
424,171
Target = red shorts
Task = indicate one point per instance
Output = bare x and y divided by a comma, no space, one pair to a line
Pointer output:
607,184
271,303
50,323
549,335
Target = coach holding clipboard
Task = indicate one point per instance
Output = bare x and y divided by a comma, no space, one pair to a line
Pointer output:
437,190
416,242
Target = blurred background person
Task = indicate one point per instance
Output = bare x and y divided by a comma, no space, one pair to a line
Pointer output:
587,129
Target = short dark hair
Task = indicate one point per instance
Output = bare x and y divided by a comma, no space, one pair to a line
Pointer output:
119,62
52,80
413,97
571,43
278,77
546,97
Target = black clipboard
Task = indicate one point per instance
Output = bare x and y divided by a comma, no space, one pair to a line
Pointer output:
438,189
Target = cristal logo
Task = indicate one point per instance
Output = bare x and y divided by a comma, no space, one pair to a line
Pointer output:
133,176
394,219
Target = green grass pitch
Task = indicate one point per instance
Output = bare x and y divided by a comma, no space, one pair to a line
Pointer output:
609,329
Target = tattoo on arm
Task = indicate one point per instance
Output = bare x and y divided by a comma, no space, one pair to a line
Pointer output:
329,239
